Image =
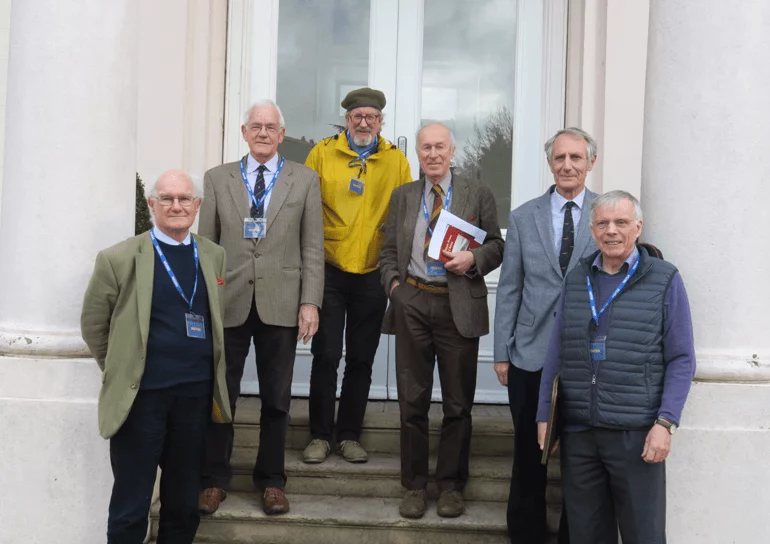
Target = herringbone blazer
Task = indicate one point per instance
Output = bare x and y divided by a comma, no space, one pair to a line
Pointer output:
472,201
115,323
531,281
282,270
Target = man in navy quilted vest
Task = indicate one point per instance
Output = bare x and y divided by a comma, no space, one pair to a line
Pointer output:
623,347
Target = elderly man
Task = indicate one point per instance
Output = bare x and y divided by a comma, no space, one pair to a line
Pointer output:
152,318
437,311
358,170
623,344
266,212
546,238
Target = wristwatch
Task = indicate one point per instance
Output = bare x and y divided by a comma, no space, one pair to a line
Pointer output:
669,426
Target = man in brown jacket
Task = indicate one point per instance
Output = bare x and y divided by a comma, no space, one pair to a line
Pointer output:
266,212
439,312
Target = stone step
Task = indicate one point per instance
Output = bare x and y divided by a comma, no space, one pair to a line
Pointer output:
380,476
492,427
350,520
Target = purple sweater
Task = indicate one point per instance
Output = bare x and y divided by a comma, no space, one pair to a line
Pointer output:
678,344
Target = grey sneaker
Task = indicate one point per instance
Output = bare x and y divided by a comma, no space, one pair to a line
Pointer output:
450,504
413,505
317,451
352,452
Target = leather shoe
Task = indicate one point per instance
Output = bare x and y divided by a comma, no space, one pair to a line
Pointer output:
274,501
450,504
414,504
209,499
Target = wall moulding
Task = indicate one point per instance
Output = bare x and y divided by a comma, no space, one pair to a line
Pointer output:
59,344
732,367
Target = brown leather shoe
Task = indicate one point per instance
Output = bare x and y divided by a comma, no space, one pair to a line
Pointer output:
209,499
274,501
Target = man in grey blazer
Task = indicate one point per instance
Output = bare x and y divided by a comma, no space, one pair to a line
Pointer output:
266,212
546,238
439,312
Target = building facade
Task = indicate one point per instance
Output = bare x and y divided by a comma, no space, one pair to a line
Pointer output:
96,91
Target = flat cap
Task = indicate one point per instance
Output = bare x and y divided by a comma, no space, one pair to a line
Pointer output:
363,97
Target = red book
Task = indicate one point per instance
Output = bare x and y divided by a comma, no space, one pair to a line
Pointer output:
456,240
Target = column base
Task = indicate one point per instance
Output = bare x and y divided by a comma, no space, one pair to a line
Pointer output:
733,366
55,472
42,343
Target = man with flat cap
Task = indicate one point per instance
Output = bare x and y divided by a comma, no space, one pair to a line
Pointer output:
358,170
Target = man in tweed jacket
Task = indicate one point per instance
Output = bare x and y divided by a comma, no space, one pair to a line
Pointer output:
266,212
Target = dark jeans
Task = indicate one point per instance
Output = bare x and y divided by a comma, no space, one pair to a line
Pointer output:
608,485
362,299
164,428
275,348
526,500
426,333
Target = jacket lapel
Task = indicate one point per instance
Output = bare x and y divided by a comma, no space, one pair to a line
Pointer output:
412,207
210,279
145,271
279,193
238,191
542,216
460,190
583,231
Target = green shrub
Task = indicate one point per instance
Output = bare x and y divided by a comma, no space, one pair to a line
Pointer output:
142,219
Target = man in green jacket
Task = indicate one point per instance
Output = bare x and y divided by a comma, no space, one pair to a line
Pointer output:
152,318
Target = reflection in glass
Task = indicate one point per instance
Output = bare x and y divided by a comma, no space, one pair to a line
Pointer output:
323,53
468,82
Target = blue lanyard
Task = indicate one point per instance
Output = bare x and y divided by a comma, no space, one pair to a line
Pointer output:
269,188
614,294
425,206
171,272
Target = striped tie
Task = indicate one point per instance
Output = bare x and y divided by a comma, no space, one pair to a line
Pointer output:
438,203
568,238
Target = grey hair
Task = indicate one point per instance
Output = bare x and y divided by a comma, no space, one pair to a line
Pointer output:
152,190
423,126
264,103
574,131
612,198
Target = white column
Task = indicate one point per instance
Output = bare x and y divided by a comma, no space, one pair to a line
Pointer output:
704,191
68,191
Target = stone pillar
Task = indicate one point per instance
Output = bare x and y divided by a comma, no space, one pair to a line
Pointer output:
705,184
68,191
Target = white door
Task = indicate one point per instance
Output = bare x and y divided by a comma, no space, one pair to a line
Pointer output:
492,70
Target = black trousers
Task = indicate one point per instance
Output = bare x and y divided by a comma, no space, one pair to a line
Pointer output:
425,333
358,301
608,485
526,500
164,428
275,349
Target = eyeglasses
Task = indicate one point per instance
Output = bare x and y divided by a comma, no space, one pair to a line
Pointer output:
167,201
271,129
620,224
370,118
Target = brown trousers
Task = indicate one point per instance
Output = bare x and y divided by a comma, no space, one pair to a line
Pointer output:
425,332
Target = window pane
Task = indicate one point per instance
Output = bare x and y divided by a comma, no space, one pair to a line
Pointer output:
323,53
467,83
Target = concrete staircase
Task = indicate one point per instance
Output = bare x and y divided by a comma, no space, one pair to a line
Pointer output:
337,502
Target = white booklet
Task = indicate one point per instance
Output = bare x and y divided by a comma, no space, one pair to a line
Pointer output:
453,234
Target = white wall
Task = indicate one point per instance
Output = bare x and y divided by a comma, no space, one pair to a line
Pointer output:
5,27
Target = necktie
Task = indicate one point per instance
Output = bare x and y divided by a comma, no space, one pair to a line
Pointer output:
567,238
438,203
259,189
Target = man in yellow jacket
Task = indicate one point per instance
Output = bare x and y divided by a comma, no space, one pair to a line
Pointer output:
358,170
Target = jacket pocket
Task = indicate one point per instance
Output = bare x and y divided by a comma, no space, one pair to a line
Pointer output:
525,317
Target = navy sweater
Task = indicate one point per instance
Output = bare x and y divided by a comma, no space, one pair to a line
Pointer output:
173,358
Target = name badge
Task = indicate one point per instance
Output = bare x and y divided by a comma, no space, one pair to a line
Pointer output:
435,268
196,328
597,349
356,186
254,228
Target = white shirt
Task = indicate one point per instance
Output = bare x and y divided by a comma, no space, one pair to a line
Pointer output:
251,174
166,239
558,204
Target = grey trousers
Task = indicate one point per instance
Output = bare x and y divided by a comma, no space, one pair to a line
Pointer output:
608,485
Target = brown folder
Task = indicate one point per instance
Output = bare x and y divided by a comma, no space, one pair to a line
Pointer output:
554,424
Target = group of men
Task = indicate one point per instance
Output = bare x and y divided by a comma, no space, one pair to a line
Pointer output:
288,252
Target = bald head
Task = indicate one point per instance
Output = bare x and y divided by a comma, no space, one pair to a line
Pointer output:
174,203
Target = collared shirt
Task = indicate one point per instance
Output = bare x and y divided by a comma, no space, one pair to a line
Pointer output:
251,174
678,344
417,266
166,239
558,204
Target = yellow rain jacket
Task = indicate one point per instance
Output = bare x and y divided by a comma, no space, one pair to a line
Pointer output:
354,225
